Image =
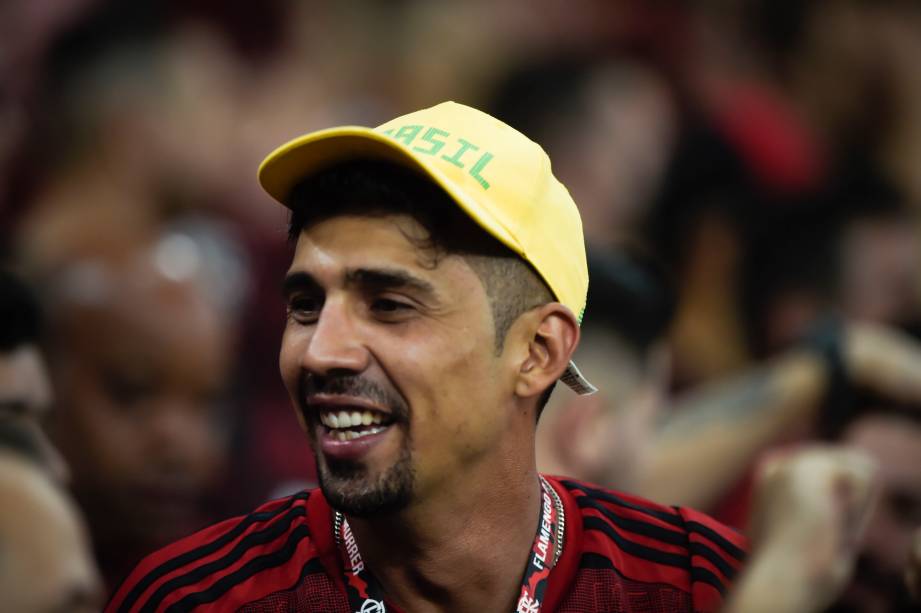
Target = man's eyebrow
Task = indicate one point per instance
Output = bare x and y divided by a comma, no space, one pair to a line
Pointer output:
385,278
295,281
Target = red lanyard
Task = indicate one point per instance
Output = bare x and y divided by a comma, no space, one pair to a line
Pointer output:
367,596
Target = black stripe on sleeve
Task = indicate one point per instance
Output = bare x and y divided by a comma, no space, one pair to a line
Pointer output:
702,575
717,560
666,516
718,539
204,550
636,549
254,539
247,571
599,562
636,526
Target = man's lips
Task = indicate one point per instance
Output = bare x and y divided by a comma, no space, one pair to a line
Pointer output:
347,427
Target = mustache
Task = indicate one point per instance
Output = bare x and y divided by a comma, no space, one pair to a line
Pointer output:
357,387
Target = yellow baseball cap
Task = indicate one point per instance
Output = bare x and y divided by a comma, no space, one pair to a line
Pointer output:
497,175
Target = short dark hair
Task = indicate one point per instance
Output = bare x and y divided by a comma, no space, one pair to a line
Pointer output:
20,314
377,187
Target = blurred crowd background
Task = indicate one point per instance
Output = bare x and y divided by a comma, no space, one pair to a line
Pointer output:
747,171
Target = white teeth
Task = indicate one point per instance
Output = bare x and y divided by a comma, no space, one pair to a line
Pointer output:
343,420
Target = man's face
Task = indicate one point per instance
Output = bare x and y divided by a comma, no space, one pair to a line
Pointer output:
377,332
138,379
895,444
45,561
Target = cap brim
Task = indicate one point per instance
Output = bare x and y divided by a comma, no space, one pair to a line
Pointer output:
302,157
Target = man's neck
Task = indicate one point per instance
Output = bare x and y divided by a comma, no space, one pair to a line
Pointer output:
456,552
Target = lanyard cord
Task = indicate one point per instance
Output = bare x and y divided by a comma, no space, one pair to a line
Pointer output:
367,596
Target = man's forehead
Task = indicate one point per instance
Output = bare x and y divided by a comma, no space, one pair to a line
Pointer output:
356,241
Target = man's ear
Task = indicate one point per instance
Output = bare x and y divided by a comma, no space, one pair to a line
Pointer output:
554,339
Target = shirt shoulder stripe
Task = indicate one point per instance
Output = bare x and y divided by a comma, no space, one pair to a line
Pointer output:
258,564
254,539
733,550
642,528
703,575
710,545
659,512
683,561
633,548
699,549
174,557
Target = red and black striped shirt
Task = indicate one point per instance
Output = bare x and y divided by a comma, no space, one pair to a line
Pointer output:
620,554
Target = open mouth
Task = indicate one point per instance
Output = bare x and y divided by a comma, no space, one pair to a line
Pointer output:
350,425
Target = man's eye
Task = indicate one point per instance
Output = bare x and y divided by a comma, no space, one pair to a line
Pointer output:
386,305
303,307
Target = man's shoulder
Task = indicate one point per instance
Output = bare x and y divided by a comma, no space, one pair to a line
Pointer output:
654,544
256,552
628,510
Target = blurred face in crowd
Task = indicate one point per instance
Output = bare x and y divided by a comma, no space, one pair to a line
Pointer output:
392,363
139,370
26,399
45,561
612,156
895,444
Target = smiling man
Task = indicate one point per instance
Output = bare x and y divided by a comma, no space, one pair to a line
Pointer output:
434,299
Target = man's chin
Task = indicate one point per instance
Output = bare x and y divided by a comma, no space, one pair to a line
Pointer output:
350,488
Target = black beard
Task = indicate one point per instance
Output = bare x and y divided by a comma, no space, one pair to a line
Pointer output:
348,487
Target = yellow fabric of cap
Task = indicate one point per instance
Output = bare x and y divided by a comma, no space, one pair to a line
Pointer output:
497,175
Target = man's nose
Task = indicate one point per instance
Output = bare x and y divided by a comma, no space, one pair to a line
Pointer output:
335,343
